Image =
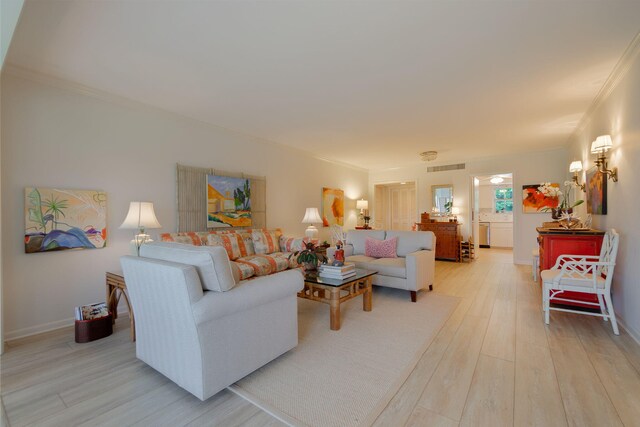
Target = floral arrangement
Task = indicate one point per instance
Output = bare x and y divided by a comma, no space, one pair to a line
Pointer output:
550,191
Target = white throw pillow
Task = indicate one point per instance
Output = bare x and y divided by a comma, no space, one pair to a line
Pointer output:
211,262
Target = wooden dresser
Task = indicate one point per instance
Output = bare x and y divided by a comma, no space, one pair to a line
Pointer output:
447,238
554,242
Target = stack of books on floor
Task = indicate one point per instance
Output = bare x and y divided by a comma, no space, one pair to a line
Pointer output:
340,273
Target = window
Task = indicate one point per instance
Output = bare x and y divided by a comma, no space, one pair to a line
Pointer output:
503,199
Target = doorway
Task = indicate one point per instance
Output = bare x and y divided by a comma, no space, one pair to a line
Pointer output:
493,211
395,206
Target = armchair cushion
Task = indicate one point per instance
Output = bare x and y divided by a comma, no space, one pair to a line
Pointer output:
211,262
570,280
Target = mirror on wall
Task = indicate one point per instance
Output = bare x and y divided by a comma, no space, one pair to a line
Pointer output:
442,198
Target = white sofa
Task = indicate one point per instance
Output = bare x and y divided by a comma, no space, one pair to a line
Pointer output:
412,270
199,328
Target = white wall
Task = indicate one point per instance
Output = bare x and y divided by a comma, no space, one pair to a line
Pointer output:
618,114
9,15
529,168
57,137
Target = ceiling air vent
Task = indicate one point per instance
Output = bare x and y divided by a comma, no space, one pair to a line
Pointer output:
445,168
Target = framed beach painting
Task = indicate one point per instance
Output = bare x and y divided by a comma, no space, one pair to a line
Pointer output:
596,192
332,207
228,202
57,219
536,197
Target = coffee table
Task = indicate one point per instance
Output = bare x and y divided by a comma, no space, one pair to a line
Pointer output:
317,288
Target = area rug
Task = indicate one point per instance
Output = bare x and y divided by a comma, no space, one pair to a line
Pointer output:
347,377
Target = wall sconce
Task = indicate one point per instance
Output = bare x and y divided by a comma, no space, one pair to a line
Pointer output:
600,146
363,205
576,167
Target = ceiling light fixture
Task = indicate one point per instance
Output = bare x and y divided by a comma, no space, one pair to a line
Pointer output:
496,180
428,156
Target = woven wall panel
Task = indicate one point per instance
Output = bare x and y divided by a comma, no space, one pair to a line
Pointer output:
192,197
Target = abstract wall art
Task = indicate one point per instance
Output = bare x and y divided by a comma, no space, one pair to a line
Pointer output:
596,192
228,202
332,207
57,219
538,198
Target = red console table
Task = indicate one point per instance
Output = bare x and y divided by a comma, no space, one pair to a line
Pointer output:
555,242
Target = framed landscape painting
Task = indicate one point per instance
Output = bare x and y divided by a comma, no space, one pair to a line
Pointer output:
596,192
58,219
533,200
332,207
228,202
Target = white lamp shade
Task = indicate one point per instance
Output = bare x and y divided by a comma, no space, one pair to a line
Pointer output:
312,216
140,215
362,204
602,144
496,180
455,210
576,166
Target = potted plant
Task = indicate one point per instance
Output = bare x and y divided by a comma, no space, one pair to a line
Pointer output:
309,257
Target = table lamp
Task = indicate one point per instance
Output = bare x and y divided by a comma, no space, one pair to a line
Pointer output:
363,205
140,217
311,216
455,211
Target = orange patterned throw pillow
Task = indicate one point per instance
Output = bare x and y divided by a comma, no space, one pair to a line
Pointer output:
189,238
265,241
232,242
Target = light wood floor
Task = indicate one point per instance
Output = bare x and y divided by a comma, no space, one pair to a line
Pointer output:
493,363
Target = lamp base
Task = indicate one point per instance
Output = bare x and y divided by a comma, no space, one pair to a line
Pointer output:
311,232
137,242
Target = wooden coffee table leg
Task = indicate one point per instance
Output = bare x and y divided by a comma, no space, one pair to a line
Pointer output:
334,304
366,297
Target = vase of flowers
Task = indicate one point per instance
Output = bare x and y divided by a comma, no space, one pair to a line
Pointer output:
565,207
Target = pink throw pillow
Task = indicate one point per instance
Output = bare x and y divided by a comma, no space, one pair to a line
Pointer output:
380,248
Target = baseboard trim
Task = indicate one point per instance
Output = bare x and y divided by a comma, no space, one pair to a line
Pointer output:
47,327
633,334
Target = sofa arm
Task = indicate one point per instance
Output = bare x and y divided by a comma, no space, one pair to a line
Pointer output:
421,267
249,294
348,250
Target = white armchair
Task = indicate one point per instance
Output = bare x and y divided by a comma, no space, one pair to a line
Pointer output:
591,274
204,340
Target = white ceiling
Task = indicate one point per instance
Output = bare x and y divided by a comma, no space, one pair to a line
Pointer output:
369,83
